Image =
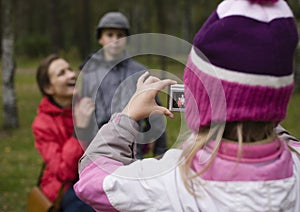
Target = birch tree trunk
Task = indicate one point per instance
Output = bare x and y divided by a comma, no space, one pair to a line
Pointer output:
10,115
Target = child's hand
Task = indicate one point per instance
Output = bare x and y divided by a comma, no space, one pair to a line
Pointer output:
143,103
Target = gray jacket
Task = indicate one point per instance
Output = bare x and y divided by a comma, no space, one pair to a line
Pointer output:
111,85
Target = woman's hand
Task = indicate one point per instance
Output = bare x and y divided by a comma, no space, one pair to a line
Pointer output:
83,111
143,103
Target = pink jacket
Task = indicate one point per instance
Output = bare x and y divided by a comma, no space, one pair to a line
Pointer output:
267,177
53,131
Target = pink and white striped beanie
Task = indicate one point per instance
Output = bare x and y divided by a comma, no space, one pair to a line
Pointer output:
241,64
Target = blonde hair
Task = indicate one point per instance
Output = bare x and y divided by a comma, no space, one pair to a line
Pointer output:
240,132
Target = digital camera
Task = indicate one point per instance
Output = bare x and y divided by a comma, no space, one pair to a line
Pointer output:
176,98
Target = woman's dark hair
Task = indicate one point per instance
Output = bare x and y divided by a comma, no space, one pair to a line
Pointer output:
42,76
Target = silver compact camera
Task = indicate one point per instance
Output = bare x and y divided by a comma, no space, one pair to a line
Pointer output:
176,98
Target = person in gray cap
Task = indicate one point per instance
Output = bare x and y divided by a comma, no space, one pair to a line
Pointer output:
109,76
113,20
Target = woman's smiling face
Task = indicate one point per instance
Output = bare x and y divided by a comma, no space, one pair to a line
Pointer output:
62,82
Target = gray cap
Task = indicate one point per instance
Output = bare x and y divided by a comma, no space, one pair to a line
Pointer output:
113,20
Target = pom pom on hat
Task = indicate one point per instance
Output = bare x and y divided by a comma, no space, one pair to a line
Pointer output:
241,64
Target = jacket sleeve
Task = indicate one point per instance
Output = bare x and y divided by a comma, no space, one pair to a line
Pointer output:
112,147
108,185
61,158
115,140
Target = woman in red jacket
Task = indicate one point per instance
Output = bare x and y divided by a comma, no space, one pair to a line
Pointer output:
54,131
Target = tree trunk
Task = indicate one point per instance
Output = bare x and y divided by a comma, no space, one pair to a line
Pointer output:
297,71
84,23
1,27
297,65
10,115
161,20
55,25
186,20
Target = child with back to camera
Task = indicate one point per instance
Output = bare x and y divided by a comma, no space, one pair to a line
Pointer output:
234,160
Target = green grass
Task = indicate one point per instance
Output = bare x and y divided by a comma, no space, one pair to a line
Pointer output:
20,163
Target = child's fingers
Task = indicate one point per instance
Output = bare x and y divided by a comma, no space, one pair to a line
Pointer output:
163,83
164,111
151,79
142,78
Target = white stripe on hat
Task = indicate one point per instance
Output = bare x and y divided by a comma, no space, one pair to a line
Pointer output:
239,77
260,12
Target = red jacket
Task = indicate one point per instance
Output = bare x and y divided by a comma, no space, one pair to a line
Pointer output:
53,131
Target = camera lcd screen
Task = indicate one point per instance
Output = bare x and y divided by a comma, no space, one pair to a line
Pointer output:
176,98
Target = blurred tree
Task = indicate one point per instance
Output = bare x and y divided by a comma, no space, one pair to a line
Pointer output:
10,115
45,26
297,63
186,20
55,25
32,27
295,5
161,20
0,27
84,28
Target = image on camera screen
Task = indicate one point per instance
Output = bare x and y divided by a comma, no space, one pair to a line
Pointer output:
176,98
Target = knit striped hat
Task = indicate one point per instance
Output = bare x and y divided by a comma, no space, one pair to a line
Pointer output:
241,64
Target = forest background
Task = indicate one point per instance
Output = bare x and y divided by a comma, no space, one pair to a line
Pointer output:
68,28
